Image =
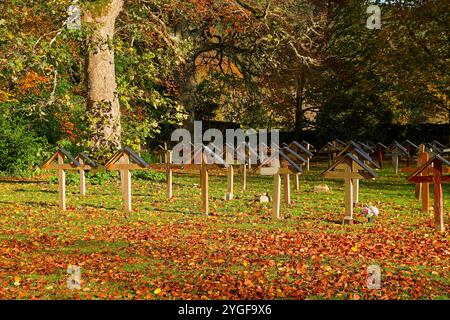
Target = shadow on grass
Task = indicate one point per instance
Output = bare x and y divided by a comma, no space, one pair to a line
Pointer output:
8,181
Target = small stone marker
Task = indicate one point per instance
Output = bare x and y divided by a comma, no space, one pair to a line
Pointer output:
265,198
322,188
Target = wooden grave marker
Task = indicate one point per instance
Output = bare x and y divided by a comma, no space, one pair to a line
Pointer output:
412,149
350,169
433,172
60,156
281,163
305,153
330,149
380,148
196,155
366,147
422,189
160,152
397,150
360,154
124,161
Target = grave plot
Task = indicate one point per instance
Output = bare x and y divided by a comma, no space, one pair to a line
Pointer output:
351,169
433,172
62,160
283,163
397,151
124,161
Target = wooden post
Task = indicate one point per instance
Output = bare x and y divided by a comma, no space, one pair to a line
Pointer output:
380,156
334,150
308,147
82,178
348,188
62,184
276,196
287,188
126,185
424,157
438,200
355,186
296,184
244,177
122,179
169,189
230,180
204,185
395,161
421,160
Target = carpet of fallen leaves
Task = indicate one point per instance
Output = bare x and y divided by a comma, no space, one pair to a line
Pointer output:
169,250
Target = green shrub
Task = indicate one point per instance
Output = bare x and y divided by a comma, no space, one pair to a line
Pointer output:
149,175
20,148
99,178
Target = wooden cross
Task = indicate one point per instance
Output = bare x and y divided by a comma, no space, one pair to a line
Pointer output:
380,148
311,149
434,166
365,147
199,153
422,189
330,149
61,155
437,145
277,169
350,169
160,152
397,150
412,149
124,161
360,154
169,174
305,153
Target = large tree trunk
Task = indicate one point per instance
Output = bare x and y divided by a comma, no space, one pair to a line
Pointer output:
103,110
299,98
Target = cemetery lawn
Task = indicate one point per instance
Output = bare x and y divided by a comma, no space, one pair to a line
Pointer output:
166,249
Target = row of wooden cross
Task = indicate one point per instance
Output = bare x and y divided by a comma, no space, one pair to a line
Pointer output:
126,160
350,163
396,151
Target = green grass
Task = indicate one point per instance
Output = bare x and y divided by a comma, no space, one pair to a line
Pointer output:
238,252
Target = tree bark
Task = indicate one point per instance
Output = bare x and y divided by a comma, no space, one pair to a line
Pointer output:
103,109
